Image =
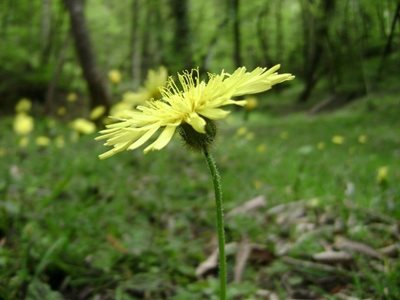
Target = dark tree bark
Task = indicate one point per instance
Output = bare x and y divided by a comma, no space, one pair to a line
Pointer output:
316,33
389,41
51,90
135,44
237,57
99,93
262,37
181,43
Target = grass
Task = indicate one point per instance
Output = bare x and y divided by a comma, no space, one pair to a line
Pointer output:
137,226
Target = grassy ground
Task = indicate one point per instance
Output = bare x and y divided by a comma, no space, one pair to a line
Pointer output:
137,226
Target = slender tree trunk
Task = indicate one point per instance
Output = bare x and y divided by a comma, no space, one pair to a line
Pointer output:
135,44
389,41
279,30
56,75
315,47
237,57
99,93
182,41
262,37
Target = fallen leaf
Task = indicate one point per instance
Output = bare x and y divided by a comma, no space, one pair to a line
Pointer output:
248,206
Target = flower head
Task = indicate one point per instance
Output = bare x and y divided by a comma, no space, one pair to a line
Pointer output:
382,174
115,76
192,106
251,104
83,126
23,124
42,141
97,112
338,139
24,105
72,97
151,89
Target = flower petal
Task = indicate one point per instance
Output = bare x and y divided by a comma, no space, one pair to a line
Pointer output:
196,122
144,138
162,140
214,113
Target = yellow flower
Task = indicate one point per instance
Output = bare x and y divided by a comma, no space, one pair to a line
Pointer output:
23,142
72,97
362,139
42,141
23,124
24,105
241,131
257,184
195,106
261,148
320,145
120,110
250,136
115,76
83,126
97,112
251,103
60,141
338,139
284,135
382,174
61,111
156,80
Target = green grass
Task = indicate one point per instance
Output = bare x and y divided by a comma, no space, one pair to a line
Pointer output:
136,226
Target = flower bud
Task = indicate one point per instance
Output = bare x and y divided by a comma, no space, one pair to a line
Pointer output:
196,140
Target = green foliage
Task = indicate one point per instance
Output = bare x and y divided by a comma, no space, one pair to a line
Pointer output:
136,226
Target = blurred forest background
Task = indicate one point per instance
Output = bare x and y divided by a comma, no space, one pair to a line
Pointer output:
338,46
310,170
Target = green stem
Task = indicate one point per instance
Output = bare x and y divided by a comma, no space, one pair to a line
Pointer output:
220,222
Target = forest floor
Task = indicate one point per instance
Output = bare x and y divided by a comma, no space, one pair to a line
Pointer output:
311,212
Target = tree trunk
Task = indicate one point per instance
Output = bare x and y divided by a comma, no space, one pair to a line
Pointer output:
262,34
50,95
388,46
237,57
135,45
316,36
181,42
99,93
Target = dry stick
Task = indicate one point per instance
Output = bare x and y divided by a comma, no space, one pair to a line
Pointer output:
220,222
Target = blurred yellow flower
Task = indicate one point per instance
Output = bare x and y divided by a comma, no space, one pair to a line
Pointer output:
24,105
61,111
198,103
251,103
42,141
3,152
362,139
241,131
257,184
115,76
72,97
23,124
60,141
83,126
320,145
121,110
156,80
261,148
250,136
97,112
284,135
382,174
23,142
338,139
